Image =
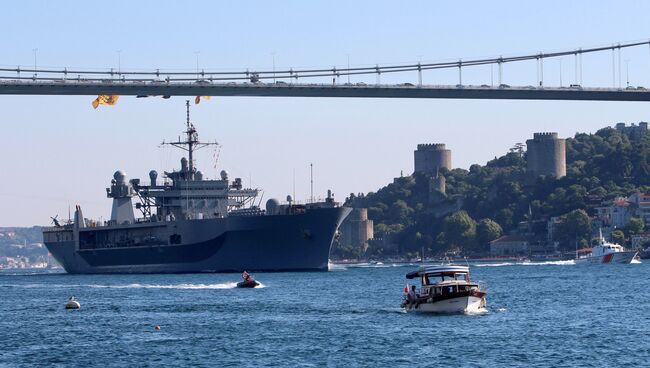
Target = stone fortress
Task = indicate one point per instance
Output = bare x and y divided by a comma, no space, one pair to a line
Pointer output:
546,155
546,152
430,158
357,229
634,131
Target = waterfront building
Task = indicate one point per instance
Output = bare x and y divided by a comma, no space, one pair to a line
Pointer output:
616,213
509,245
641,206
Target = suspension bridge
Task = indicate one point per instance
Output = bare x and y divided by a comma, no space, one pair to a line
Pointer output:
326,82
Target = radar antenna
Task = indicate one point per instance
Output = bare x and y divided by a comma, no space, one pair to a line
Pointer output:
191,141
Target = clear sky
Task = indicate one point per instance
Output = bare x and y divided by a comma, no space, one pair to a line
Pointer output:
58,151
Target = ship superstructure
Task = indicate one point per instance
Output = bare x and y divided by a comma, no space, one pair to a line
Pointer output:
191,224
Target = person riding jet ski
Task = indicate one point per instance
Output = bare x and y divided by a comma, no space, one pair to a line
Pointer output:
249,281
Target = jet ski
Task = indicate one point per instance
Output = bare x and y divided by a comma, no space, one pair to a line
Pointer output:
248,282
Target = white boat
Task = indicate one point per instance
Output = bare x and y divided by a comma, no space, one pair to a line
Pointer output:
444,289
604,252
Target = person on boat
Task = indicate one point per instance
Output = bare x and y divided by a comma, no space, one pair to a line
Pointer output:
247,277
411,297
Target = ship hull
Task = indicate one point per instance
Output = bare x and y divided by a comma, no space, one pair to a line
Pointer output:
298,242
470,304
609,258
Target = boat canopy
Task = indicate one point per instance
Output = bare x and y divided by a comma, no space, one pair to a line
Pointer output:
447,270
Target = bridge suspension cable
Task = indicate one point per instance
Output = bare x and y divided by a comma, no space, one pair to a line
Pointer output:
289,74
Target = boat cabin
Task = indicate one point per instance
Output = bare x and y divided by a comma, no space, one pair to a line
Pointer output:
599,250
443,280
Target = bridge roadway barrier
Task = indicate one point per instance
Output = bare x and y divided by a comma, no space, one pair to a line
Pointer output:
62,88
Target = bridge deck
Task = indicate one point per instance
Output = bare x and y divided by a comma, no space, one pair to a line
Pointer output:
73,87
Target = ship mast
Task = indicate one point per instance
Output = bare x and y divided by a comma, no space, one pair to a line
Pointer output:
191,141
191,134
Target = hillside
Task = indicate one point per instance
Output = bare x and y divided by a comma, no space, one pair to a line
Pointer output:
486,201
22,242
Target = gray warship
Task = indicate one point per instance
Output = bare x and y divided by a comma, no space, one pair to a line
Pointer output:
191,224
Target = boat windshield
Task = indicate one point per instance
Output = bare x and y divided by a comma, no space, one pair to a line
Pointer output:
435,278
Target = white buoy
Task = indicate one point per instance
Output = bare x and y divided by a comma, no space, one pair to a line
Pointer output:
72,304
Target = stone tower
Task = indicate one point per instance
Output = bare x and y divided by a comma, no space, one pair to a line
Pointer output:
437,188
357,229
546,155
429,158
438,183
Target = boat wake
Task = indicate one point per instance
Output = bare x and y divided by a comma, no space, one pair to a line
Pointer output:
376,265
477,313
545,263
556,263
336,267
494,264
225,285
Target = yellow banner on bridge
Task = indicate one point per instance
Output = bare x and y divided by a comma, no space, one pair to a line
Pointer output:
105,100
197,100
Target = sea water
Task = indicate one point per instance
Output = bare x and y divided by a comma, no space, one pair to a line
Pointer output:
540,314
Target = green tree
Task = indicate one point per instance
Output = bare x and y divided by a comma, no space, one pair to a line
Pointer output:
635,226
459,228
576,226
578,222
504,218
618,237
400,212
487,230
